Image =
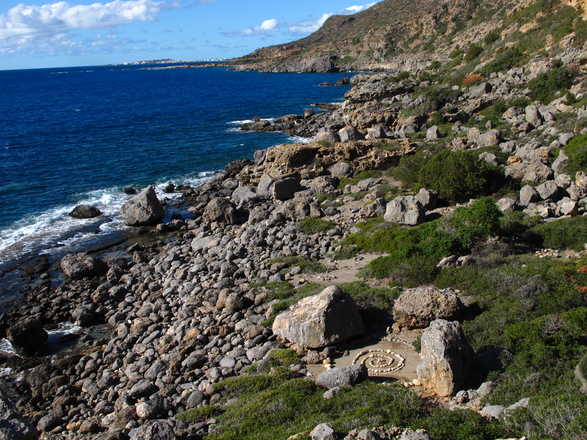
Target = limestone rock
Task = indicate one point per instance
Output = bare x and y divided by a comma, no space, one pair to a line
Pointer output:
427,198
220,210
417,308
85,211
343,376
323,432
320,320
405,210
326,135
349,133
432,133
143,209
376,132
446,357
489,138
528,195
78,266
549,190
560,164
341,169
285,188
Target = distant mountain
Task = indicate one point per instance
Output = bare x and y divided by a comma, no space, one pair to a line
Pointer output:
404,34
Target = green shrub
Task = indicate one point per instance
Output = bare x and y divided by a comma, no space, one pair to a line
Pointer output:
476,222
312,226
462,425
459,176
545,87
366,296
577,152
200,414
492,37
473,52
568,233
505,60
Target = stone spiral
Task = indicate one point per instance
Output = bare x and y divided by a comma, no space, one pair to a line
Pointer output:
380,361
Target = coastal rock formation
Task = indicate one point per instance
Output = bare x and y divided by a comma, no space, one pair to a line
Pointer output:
446,358
418,307
320,320
29,335
85,211
144,209
77,266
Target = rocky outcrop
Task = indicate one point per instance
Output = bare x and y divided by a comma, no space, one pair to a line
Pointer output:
220,210
144,209
29,335
446,358
85,211
320,320
12,425
417,308
78,266
405,210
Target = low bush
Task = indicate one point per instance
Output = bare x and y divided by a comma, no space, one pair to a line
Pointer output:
312,226
577,152
568,233
459,176
473,52
505,60
474,223
548,85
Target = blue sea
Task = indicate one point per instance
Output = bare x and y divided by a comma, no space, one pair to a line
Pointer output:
80,135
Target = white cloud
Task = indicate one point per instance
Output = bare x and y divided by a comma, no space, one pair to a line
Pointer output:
306,27
268,25
358,8
25,25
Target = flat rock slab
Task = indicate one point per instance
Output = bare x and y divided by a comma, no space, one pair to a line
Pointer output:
382,358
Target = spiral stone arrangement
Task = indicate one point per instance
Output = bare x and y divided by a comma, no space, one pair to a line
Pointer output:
379,361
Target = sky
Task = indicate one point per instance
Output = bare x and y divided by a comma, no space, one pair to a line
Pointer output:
46,33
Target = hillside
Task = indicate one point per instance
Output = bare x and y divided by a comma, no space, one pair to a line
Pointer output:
406,34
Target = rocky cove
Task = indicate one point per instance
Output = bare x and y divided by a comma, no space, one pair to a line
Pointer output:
314,265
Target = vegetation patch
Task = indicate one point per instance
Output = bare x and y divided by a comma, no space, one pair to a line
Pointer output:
570,233
306,265
577,152
547,86
312,226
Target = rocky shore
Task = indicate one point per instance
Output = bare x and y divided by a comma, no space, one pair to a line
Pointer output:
162,322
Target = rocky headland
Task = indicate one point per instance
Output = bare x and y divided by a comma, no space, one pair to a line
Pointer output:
416,271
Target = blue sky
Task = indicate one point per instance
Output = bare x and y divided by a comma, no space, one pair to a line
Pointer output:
51,33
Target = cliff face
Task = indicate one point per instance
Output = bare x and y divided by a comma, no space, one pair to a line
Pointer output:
401,34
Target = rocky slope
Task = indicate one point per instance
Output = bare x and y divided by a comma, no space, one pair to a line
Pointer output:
208,327
408,35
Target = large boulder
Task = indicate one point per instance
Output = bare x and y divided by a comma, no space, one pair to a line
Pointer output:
446,358
29,335
285,188
144,209
220,210
85,211
405,210
417,308
349,133
343,376
320,320
78,266
326,135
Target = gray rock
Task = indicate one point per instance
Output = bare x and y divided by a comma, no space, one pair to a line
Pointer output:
492,411
561,163
473,134
259,157
329,394
567,206
285,188
409,434
563,180
376,132
533,115
549,190
528,195
264,186
340,169
480,90
323,432
320,320
536,172
343,376
506,203
418,307
405,210
78,266
433,133
446,358
220,210
156,430
367,434
565,138
489,158
326,135
243,195
427,198
489,138
143,389
143,209
85,211
348,134
48,422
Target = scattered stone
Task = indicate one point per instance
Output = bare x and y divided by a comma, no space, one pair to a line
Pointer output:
78,266
405,210
343,376
323,432
85,211
417,308
528,195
